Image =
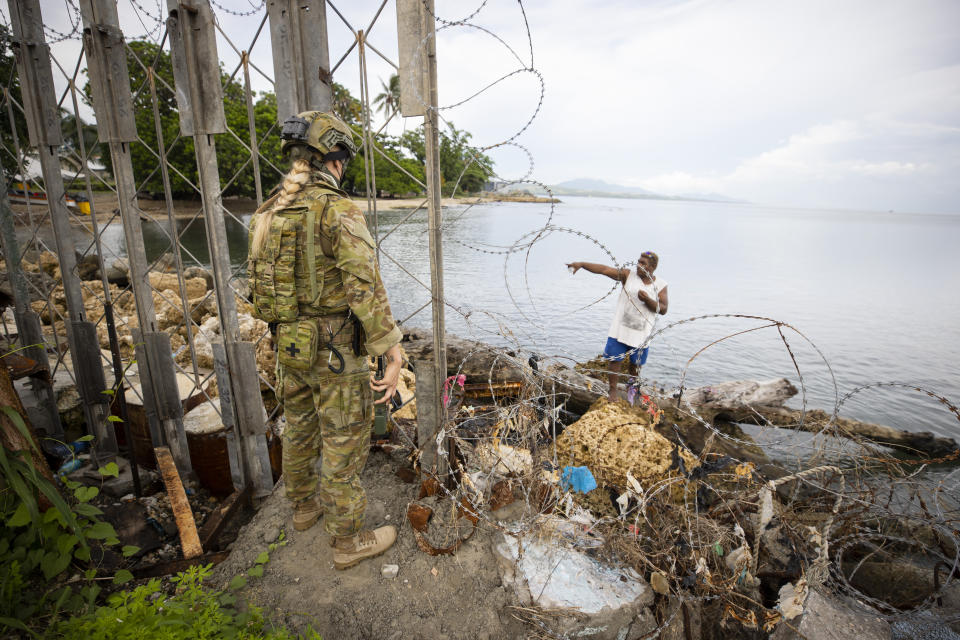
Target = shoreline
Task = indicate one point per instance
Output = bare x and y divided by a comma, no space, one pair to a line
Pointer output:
105,206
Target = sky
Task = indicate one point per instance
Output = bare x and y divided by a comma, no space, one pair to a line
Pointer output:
820,104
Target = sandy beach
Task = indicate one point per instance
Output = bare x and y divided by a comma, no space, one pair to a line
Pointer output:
105,205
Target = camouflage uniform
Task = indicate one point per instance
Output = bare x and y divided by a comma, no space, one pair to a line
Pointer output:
326,412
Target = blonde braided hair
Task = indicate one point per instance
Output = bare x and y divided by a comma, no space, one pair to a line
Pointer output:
292,183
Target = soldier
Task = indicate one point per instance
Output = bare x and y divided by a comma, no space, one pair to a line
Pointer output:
314,277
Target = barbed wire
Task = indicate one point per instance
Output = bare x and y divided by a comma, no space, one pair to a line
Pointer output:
157,20
73,16
256,8
861,482
843,500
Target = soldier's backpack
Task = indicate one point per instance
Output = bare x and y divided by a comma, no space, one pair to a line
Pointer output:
272,273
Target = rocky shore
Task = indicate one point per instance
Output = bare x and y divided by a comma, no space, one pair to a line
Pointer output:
567,515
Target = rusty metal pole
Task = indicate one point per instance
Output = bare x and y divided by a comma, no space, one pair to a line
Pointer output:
43,124
252,126
435,223
369,159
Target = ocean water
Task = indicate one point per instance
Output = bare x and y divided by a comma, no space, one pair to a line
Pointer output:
862,298
869,297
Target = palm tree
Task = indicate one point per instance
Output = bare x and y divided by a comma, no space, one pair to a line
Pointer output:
389,101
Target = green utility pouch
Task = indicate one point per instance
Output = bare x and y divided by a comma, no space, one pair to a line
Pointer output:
297,343
272,280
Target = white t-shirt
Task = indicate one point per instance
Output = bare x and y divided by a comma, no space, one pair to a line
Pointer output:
633,321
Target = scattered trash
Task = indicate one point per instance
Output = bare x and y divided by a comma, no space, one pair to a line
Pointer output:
792,597
578,479
659,583
549,574
390,571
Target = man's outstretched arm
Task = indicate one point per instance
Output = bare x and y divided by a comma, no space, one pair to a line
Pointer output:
613,273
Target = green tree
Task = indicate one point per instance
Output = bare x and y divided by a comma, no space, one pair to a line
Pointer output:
346,107
389,178
388,101
10,80
141,56
73,130
463,169
233,155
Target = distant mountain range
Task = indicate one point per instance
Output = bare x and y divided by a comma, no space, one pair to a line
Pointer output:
599,188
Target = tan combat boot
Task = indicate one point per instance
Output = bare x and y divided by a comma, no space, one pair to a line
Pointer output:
306,513
349,550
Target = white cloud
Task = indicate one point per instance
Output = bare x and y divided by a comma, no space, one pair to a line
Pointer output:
888,168
814,103
826,159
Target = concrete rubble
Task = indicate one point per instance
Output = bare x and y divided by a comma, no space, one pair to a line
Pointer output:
595,600
827,617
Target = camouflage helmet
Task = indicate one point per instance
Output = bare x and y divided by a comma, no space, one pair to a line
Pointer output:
320,132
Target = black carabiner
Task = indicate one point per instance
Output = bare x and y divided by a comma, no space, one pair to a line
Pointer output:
334,352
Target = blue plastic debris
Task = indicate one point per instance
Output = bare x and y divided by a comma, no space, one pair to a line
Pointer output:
578,478
70,466
80,446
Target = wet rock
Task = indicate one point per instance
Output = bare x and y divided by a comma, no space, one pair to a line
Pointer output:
49,264
925,625
88,266
118,273
827,617
901,584
38,282
778,554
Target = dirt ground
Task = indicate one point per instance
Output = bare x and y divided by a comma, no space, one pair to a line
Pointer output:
458,596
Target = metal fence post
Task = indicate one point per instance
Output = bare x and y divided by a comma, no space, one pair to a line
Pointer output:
43,124
196,70
29,332
113,104
301,57
418,71
435,210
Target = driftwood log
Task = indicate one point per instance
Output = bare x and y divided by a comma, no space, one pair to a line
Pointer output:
743,401
12,438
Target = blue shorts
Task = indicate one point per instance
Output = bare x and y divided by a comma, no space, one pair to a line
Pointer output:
615,350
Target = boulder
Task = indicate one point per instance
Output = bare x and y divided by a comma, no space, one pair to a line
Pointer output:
407,387
169,282
88,266
49,264
199,272
828,617
900,583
